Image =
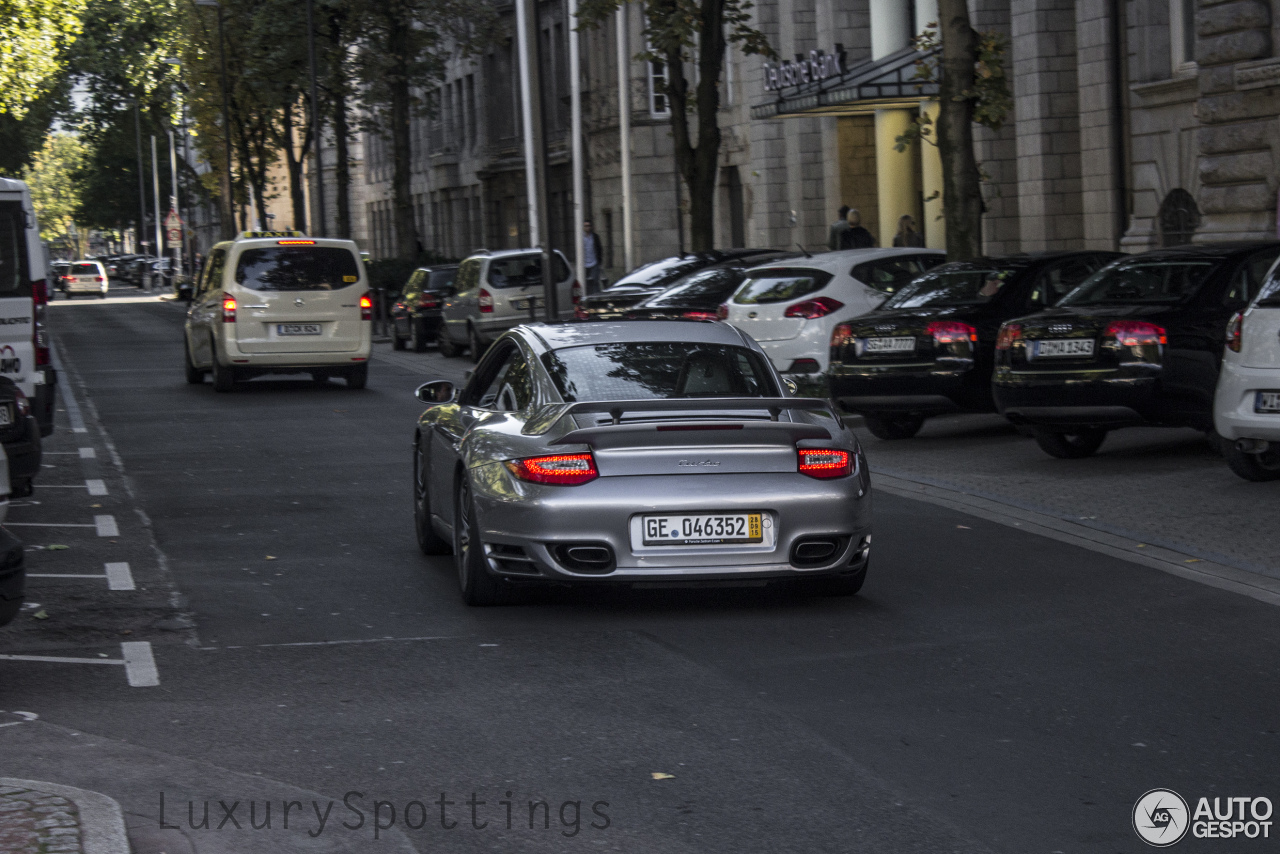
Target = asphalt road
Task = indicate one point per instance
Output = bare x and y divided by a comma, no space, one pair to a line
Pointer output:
990,690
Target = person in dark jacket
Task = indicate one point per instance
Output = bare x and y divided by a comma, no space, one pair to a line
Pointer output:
856,237
839,227
907,234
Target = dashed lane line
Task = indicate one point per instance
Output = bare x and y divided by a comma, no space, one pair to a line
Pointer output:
70,404
88,454
96,487
106,526
117,575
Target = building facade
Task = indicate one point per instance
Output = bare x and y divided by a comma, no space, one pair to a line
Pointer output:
1135,124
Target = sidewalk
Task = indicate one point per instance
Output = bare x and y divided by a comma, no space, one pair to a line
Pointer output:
47,818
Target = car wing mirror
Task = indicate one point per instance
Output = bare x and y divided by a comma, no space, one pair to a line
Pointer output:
437,392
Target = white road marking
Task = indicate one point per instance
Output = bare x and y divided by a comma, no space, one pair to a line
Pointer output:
96,487
140,664
106,526
57,659
119,577
48,525
88,454
60,575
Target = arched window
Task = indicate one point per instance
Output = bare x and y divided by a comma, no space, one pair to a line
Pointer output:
1179,218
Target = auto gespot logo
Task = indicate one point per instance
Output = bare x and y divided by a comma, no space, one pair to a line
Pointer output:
1161,818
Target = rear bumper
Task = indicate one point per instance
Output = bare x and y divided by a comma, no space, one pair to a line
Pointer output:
923,390
537,519
43,400
1233,402
233,356
1106,399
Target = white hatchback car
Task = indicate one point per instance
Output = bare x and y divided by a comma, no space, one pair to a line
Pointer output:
85,277
1246,404
280,303
790,308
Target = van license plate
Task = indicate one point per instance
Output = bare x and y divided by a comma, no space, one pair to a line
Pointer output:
1267,401
297,329
1065,347
702,529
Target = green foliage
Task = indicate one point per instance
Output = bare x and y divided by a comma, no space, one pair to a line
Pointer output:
34,37
21,138
53,178
992,99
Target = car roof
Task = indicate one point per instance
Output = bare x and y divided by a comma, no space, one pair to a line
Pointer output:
1021,260
1207,250
554,336
841,260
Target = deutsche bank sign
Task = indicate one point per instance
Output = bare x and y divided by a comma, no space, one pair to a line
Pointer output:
817,67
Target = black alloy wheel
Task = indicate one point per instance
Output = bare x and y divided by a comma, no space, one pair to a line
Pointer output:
417,335
429,541
892,427
1255,467
224,378
1071,446
195,376
478,586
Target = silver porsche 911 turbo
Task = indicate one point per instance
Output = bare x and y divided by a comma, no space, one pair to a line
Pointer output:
641,451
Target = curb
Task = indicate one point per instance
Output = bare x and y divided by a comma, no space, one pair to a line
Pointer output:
101,820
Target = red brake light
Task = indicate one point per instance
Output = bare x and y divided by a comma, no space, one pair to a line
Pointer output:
97,278
23,404
295,243
228,309
486,302
825,462
366,307
722,313
1235,332
580,313
700,315
1009,333
559,469
1135,333
426,301
814,308
951,332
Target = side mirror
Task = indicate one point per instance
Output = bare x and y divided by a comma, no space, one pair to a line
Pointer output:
792,388
436,392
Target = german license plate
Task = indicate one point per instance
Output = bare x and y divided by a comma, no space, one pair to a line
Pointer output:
523,304
1062,347
6,415
889,345
702,529
1267,401
297,329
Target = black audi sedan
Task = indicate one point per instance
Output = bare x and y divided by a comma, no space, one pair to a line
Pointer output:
654,278
1139,342
698,295
929,349
415,315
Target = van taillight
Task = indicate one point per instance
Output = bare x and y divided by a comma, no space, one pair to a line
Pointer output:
366,307
486,302
39,338
228,309
1235,332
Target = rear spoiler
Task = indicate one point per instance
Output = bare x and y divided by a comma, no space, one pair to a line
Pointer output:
775,405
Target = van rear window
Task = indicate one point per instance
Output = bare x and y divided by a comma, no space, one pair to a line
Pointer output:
13,250
297,268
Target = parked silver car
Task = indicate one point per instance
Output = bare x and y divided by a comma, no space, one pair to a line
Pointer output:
496,291
633,452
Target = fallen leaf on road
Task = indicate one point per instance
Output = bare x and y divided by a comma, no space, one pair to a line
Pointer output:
271,557
56,547
95,505
41,614
1193,560
658,775
966,527
1142,545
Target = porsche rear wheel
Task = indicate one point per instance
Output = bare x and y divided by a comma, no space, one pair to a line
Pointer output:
478,586
429,541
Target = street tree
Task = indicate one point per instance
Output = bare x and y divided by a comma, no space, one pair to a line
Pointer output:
34,37
54,180
693,35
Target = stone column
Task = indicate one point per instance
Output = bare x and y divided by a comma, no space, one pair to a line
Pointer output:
1238,108
896,184
933,224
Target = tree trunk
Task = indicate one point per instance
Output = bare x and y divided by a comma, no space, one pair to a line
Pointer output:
961,180
406,241
297,196
342,169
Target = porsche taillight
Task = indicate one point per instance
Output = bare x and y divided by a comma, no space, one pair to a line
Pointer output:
557,469
825,463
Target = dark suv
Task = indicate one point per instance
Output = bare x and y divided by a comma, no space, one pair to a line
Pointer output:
929,349
415,316
1140,342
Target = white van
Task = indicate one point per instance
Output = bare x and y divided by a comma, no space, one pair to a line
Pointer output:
277,302
24,294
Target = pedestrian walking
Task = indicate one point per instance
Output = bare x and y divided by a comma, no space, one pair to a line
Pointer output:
839,227
855,236
592,256
907,234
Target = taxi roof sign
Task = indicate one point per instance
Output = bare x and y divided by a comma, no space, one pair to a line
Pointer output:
253,235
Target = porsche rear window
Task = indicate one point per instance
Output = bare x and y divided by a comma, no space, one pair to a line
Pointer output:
297,268
657,370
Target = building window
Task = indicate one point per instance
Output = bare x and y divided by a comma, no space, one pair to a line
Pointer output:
1179,218
658,105
1182,36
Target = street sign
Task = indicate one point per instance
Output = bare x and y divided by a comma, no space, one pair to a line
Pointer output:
173,235
172,221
